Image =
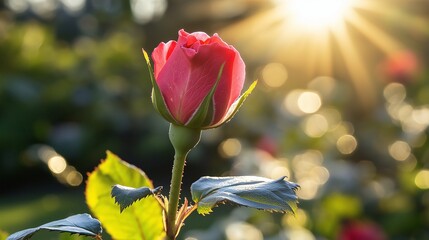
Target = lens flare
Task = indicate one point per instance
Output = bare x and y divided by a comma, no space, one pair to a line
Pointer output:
316,14
399,150
347,144
309,102
422,179
230,148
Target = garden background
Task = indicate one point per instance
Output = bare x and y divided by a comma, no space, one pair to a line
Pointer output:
341,108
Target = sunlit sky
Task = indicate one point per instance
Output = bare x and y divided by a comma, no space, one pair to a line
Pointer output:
339,38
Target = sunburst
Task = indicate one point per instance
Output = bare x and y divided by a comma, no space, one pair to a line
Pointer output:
321,37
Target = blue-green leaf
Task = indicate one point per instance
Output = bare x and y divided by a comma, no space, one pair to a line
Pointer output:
250,191
125,196
82,224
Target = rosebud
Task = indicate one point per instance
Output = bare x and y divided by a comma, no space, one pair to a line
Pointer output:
197,80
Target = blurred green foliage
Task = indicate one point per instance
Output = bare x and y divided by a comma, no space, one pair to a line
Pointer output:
77,83
31,208
80,98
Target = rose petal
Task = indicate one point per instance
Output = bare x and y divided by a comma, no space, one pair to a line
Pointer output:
161,54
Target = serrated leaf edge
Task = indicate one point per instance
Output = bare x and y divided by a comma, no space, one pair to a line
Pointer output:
292,203
122,207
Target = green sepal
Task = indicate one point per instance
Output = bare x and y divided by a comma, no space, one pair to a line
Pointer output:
157,98
237,104
183,138
203,116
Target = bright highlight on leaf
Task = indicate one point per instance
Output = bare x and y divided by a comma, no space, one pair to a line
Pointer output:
125,196
82,224
3,235
142,220
249,191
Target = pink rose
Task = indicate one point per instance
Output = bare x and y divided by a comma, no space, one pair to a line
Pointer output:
197,80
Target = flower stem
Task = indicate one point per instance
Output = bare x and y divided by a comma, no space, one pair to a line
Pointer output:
173,199
183,140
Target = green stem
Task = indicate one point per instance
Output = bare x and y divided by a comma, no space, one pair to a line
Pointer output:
174,196
183,140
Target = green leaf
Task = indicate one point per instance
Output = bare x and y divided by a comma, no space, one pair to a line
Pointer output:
250,191
142,221
3,235
82,224
125,196
157,98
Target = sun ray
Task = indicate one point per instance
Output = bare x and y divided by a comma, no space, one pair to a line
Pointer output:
355,66
385,12
382,9
251,26
319,54
376,36
326,55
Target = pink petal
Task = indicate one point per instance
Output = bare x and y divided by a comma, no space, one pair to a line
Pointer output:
172,81
230,86
161,54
